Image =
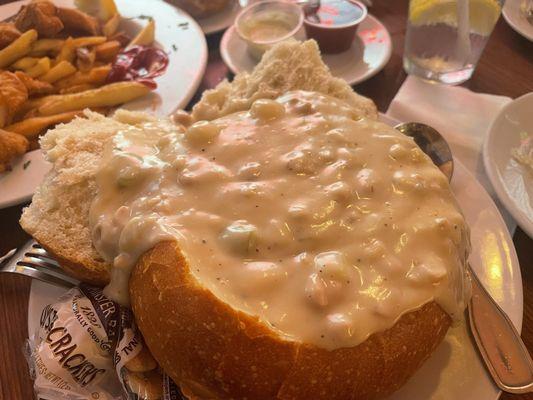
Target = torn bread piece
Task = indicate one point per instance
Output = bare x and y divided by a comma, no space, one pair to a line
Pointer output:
58,217
288,66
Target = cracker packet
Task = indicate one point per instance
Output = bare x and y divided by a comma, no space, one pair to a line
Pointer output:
88,347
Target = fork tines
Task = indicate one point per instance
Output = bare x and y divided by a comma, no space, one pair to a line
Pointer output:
35,262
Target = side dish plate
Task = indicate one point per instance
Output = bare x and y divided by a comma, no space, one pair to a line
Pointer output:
176,33
370,52
512,182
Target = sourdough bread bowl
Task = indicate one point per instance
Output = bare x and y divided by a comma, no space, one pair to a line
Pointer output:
215,352
348,308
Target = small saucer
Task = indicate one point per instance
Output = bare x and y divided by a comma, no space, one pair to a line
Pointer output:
370,52
221,20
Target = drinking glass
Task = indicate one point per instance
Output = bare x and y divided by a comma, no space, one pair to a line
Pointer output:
445,38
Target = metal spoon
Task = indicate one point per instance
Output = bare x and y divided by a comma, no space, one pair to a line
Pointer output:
432,143
498,342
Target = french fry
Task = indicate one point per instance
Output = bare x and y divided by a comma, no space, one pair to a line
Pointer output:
88,41
43,47
18,48
121,37
34,112
85,58
111,26
32,127
24,63
58,71
107,51
95,76
67,52
31,108
105,96
146,36
40,68
77,88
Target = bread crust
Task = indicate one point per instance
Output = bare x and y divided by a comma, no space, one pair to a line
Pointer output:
215,352
94,274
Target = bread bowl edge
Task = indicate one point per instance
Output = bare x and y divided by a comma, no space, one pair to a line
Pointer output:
216,352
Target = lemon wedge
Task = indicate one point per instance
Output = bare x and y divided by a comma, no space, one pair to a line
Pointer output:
483,14
146,35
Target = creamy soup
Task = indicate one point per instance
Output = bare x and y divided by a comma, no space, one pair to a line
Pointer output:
325,227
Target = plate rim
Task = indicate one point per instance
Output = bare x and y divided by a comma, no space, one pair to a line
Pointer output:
494,175
225,54
509,13
8,8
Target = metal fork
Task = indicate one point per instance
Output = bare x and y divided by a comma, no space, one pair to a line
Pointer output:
35,262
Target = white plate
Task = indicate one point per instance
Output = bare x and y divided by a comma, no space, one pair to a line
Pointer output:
455,370
517,20
220,20
187,52
370,52
511,181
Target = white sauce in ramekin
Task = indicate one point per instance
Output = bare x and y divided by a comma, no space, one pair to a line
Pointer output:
326,228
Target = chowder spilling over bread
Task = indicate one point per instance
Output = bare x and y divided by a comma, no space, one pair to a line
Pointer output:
326,227
278,242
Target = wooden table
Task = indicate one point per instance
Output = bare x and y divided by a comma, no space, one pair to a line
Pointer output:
506,68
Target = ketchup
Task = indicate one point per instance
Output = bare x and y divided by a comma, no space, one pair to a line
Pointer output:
138,63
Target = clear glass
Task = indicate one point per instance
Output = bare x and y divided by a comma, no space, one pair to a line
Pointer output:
445,38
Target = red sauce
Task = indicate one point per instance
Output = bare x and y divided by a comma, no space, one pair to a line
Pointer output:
139,63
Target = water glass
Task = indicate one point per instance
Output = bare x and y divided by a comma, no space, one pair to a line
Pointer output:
445,38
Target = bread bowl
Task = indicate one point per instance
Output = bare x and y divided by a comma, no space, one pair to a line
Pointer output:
227,354
337,311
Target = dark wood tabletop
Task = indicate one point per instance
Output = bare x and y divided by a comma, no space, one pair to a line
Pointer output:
505,68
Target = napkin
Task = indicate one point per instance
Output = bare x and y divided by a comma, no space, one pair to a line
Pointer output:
460,115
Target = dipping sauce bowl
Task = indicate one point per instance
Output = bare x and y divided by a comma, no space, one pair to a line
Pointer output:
261,25
333,23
